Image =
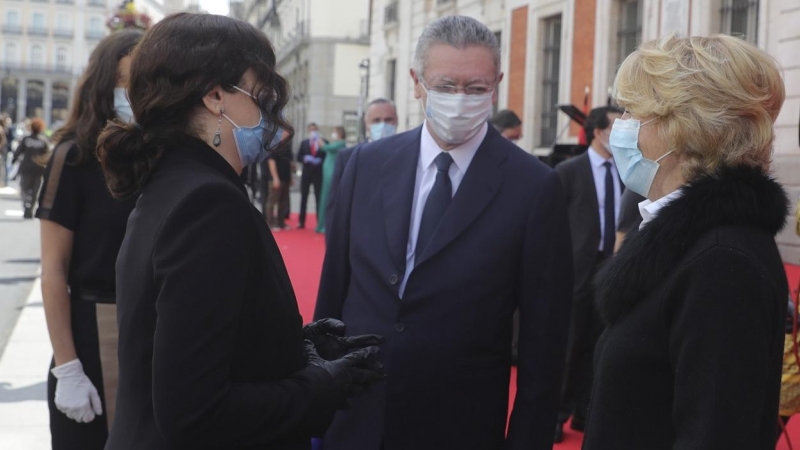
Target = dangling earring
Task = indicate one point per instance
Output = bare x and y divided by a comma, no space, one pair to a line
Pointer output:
217,137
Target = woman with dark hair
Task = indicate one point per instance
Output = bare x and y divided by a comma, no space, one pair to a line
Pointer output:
34,150
82,227
212,352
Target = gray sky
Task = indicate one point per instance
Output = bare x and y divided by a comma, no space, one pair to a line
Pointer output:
215,6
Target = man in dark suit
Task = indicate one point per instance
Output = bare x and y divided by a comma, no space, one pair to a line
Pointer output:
381,121
593,190
310,155
438,235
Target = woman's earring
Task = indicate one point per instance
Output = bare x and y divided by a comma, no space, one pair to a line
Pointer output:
217,137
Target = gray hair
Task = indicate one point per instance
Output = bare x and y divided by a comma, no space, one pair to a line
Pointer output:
459,32
381,101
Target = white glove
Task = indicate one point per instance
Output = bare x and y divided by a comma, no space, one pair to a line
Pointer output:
76,396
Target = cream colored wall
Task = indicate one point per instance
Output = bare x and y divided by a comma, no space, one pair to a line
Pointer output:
339,19
346,73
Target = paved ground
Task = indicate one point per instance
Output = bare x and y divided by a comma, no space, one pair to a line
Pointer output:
24,345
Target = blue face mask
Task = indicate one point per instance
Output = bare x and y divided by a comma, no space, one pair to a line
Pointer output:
381,130
122,107
250,141
636,171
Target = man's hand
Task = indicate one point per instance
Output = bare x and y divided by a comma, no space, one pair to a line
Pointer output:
328,337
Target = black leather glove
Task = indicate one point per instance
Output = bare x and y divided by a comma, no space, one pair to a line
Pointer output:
331,343
354,373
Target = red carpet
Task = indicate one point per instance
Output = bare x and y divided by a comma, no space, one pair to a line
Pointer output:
303,251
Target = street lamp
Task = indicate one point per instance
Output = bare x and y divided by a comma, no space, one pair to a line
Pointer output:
363,94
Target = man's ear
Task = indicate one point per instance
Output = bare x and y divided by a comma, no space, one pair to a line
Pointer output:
213,100
494,93
417,87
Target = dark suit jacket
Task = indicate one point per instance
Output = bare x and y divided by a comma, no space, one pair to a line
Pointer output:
305,150
210,341
502,244
584,216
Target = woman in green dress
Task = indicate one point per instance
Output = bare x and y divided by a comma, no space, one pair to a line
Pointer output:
331,150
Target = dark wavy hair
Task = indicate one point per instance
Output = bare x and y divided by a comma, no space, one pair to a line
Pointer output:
178,62
93,104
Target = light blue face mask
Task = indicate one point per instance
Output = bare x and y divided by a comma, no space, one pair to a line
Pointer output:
122,107
636,171
381,130
250,140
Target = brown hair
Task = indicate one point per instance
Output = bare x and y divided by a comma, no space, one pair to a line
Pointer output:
93,105
177,63
37,125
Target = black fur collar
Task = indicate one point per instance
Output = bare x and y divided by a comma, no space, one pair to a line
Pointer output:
733,196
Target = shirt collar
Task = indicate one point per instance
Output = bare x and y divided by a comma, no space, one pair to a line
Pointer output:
596,159
462,154
649,210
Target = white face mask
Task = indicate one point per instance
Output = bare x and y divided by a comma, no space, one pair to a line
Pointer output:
122,107
455,118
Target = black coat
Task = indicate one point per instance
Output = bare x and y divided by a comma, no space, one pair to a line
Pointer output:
305,150
695,305
210,340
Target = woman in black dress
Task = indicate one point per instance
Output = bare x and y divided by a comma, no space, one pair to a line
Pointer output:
695,302
33,150
82,228
212,351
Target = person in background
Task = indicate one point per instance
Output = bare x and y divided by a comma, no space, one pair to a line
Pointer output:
508,124
4,151
279,171
593,190
695,303
311,156
34,150
415,254
381,122
212,349
331,151
82,228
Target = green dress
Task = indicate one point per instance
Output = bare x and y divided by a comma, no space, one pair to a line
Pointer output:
331,151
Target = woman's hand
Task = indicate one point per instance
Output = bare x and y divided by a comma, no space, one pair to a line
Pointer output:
328,337
76,396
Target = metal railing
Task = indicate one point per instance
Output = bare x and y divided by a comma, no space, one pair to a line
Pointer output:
37,31
34,68
95,34
100,3
12,28
63,33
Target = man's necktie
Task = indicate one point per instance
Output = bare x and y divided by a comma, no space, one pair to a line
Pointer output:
314,148
437,203
610,227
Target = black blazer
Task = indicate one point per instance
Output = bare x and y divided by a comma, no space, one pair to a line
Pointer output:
305,150
584,216
210,340
502,244
695,305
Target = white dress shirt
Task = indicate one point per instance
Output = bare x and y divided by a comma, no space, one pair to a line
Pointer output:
649,210
426,175
599,172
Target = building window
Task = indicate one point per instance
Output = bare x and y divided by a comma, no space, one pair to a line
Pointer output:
95,24
629,31
391,70
12,18
38,20
552,66
11,55
36,56
61,59
740,18
390,13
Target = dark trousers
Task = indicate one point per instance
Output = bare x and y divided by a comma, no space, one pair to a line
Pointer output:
29,185
277,205
67,434
586,326
312,175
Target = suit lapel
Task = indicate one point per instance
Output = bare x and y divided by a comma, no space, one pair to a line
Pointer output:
399,174
480,185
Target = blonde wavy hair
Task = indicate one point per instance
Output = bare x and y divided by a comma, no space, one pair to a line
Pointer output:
715,99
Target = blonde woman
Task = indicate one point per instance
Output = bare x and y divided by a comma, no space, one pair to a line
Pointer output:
695,303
